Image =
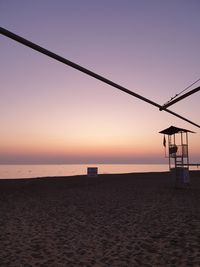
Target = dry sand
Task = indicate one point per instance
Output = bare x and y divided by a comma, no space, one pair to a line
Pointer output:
112,220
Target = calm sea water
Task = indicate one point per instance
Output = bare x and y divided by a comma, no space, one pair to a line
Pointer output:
32,171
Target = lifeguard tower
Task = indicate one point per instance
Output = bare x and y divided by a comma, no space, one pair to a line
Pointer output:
178,154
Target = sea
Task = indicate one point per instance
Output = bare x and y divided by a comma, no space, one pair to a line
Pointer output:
53,170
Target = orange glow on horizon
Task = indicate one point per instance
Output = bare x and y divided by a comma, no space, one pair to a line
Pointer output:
80,150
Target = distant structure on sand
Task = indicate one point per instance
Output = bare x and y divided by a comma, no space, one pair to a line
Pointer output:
178,153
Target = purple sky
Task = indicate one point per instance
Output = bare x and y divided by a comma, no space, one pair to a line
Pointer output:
52,113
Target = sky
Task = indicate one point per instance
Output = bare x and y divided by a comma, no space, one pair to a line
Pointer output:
51,113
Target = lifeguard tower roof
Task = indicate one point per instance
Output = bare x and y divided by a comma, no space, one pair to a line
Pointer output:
173,130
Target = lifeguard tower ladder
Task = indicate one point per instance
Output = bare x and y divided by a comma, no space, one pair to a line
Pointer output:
178,153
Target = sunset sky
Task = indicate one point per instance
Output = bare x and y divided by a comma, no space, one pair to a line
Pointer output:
51,113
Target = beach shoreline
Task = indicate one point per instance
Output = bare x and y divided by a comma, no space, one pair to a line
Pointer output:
137,219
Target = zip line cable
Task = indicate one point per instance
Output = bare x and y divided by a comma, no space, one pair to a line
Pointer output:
84,70
180,98
168,102
189,86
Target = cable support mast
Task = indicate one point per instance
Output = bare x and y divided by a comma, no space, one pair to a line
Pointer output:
46,52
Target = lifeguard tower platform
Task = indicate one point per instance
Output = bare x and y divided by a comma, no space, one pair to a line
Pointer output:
178,154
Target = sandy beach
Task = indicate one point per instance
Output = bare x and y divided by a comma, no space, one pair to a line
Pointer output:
111,220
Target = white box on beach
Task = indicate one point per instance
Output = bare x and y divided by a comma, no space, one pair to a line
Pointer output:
92,171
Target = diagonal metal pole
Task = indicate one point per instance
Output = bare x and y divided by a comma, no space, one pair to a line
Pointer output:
84,70
180,98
